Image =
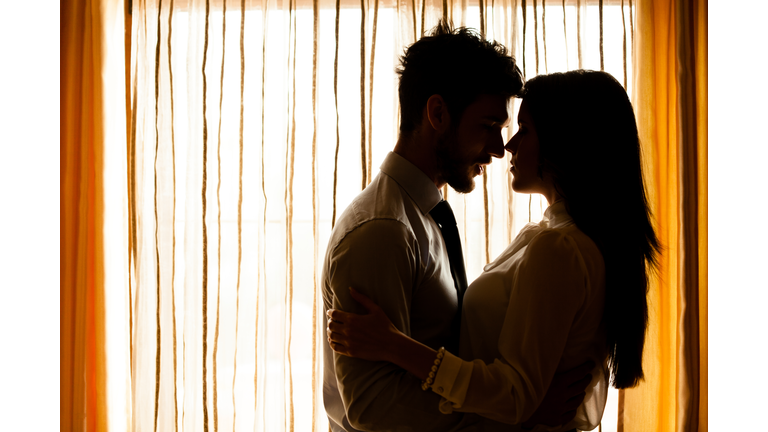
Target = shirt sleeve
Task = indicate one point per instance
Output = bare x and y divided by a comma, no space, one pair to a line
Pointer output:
381,260
547,291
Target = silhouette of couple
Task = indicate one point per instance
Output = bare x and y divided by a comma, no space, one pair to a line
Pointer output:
535,340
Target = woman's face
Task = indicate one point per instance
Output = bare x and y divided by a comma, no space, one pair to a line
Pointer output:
524,148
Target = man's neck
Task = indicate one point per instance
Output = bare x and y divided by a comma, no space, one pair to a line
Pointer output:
420,155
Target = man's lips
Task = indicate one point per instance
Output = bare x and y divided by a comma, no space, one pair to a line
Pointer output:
480,167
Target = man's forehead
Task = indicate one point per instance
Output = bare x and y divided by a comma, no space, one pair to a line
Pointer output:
494,108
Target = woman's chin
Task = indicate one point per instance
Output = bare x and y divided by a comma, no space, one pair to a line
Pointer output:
516,186
521,187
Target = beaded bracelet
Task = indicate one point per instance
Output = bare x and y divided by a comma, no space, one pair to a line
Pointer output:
431,378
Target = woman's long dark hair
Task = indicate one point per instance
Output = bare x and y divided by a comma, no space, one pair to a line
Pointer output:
588,141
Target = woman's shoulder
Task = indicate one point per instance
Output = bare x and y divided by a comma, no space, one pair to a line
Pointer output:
584,243
551,239
535,242
562,244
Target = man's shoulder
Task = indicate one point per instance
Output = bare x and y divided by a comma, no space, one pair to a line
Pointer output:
382,199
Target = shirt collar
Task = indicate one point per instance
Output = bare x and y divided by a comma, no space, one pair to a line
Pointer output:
556,215
415,183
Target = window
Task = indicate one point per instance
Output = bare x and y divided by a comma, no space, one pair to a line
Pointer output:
272,244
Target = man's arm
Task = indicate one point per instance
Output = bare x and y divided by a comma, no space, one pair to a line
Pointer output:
381,260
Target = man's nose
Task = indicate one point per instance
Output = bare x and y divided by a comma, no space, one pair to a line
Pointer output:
496,148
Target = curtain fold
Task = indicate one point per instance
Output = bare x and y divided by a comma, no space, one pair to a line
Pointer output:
93,380
671,106
83,344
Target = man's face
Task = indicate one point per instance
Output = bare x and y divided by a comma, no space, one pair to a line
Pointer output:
465,149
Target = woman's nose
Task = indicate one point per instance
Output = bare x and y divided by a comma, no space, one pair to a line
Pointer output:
511,145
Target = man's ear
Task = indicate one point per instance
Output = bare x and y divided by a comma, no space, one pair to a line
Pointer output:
437,113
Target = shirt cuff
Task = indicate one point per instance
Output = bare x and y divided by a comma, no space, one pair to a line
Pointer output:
451,382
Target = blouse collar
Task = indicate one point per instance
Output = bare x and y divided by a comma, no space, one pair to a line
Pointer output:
557,216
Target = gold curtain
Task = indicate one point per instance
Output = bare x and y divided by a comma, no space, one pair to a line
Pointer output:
82,259
671,104
91,212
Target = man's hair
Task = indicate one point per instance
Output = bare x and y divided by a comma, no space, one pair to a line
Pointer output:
456,64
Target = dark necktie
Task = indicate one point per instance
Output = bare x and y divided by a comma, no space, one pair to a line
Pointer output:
443,215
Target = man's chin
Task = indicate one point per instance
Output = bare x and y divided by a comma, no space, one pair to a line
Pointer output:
462,185
460,177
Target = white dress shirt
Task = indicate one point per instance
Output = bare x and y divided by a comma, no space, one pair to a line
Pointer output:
388,247
534,311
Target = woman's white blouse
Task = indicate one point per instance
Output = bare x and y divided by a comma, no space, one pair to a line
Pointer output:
534,311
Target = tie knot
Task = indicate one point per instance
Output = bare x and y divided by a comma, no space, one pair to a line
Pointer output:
442,214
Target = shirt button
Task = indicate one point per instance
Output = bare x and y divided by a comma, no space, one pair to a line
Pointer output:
439,389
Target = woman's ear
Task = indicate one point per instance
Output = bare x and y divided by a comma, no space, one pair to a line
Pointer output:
437,113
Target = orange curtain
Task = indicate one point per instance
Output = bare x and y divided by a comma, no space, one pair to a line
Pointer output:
671,105
86,98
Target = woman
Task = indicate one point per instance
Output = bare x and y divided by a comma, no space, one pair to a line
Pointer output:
567,290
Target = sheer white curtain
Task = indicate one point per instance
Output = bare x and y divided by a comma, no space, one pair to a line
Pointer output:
253,124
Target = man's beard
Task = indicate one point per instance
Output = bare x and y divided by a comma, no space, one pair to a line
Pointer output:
452,167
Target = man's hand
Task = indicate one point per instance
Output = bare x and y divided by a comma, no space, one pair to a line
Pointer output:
565,394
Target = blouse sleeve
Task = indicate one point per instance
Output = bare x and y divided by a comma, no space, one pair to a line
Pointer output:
548,289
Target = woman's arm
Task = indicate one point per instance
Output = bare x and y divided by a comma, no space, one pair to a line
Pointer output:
547,289
373,337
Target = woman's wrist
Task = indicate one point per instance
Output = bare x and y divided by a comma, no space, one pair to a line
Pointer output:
427,383
411,355
397,348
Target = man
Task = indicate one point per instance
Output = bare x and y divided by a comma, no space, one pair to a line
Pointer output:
397,241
